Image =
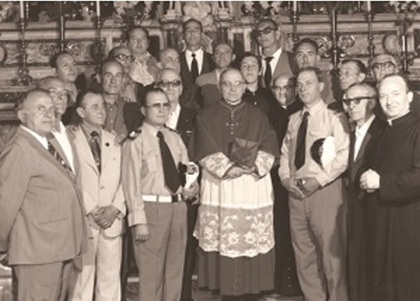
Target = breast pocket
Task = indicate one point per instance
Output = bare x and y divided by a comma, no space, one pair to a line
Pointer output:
151,159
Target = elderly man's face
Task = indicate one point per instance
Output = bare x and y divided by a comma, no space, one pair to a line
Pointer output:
349,75
66,68
58,94
92,110
112,78
124,56
170,60
382,69
358,104
233,86
283,90
306,56
394,97
267,35
170,83
308,87
38,113
223,56
138,42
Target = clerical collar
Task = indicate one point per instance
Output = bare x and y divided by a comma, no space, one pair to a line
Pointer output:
399,119
232,106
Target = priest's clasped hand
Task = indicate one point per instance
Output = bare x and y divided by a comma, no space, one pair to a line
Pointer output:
369,180
237,171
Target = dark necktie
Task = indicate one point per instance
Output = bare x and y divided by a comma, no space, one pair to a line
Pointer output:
170,171
300,142
95,148
267,75
194,68
53,151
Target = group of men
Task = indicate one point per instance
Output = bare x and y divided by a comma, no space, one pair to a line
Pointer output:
69,196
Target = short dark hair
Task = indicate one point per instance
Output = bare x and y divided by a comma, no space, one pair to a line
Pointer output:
184,25
82,96
111,61
21,101
272,22
55,57
154,90
131,29
250,54
319,74
305,41
362,68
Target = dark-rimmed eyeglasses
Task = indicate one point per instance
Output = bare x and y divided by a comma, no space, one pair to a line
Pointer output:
265,31
356,100
165,85
125,57
159,106
385,65
281,88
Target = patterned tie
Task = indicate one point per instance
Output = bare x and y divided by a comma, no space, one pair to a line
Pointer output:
53,151
95,148
300,142
194,68
172,180
267,75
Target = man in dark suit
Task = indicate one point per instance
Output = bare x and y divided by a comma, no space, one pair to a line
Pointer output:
194,60
42,224
181,119
275,60
359,102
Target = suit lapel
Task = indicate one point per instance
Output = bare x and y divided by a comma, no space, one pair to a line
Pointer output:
184,66
106,149
84,149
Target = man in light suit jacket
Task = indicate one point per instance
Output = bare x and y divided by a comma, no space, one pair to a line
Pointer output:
193,30
42,224
359,103
100,175
209,82
275,60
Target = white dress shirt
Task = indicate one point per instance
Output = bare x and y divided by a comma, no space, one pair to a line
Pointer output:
63,140
199,55
360,133
273,62
173,117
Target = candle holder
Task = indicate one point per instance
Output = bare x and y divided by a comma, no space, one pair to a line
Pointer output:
224,19
371,47
170,22
294,18
22,77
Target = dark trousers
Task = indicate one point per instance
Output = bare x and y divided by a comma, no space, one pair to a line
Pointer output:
190,253
128,264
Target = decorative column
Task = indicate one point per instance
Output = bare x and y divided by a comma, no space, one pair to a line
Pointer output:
62,21
294,18
22,77
170,22
335,49
369,18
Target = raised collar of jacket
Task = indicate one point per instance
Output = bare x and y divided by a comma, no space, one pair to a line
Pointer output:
41,139
319,106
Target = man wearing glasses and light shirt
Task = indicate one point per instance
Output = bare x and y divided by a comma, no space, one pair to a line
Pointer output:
316,200
359,103
384,64
182,120
275,60
156,201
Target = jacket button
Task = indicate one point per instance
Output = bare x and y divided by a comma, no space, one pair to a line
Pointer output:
102,187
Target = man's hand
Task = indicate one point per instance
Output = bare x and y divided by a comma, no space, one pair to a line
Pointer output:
96,213
234,172
4,257
370,180
107,217
140,233
293,189
249,170
308,186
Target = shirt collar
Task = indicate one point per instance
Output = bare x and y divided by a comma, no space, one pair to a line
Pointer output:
151,129
361,131
197,52
276,55
316,108
62,129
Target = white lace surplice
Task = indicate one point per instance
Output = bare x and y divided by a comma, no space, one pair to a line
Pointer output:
236,215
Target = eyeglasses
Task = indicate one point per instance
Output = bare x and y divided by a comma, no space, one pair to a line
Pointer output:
281,88
385,65
356,100
125,57
159,106
229,85
265,31
166,85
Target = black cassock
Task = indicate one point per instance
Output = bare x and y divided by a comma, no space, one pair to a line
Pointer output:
393,224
